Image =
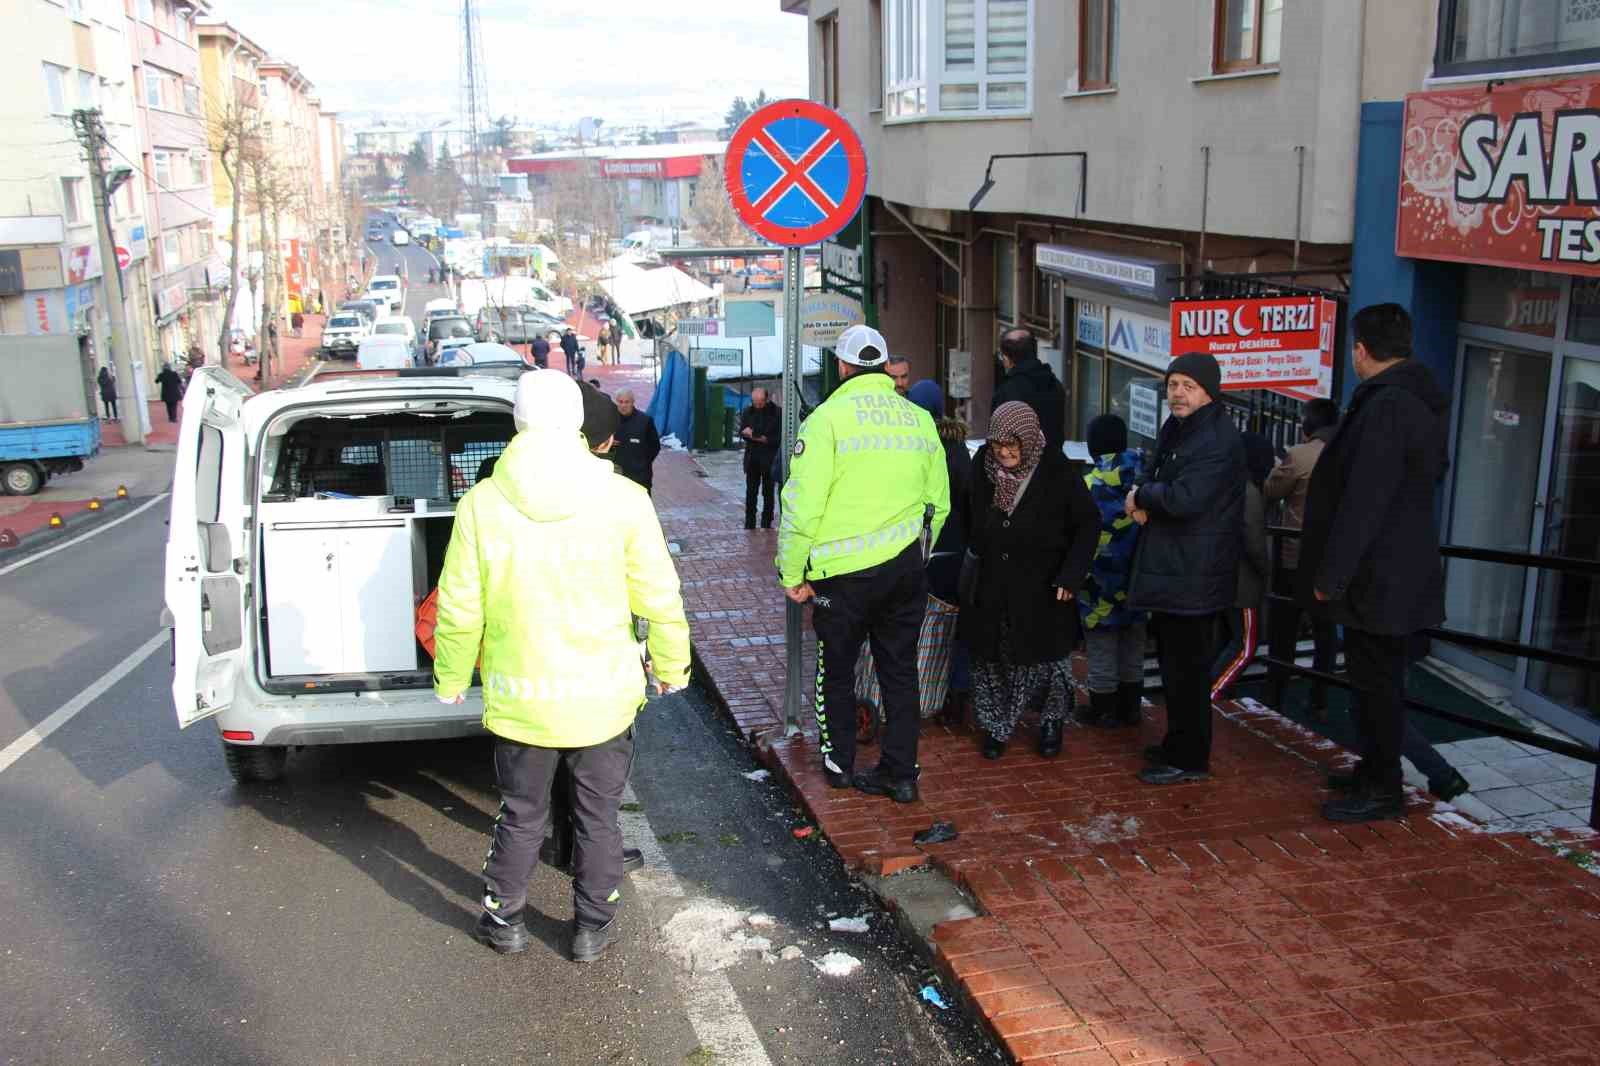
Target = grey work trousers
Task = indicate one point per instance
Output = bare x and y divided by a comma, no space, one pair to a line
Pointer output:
1116,656
525,775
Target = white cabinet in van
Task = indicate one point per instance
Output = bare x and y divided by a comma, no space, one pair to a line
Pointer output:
341,592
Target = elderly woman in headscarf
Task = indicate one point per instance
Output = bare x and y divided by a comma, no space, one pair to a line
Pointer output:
1034,529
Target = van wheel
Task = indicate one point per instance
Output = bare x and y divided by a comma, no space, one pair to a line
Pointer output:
22,479
249,765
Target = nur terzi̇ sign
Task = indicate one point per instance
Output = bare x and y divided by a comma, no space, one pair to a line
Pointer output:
1509,177
1283,343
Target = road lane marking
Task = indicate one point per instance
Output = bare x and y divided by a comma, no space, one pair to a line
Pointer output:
63,714
715,1013
95,532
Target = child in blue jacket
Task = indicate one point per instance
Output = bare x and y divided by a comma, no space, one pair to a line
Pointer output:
1113,633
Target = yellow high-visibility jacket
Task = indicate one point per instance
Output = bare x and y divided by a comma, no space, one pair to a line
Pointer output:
867,466
548,561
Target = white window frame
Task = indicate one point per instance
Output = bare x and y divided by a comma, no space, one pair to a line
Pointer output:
88,90
914,64
55,88
199,173
171,250
161,169
72,201
153,82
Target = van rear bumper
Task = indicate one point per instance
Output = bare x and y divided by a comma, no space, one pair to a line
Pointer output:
350,718
306,733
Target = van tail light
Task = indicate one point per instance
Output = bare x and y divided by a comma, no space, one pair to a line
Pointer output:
238,735
358,364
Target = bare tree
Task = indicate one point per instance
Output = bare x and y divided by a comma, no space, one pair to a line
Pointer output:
716,223
235,135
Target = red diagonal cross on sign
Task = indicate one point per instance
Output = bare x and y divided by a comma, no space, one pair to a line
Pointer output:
796,173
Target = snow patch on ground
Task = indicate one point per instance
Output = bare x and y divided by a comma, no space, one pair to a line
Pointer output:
837,964
707,936
1450,818
762,921
672,443
1105,829
850,925
758,775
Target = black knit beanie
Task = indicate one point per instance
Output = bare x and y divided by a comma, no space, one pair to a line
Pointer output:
1108,435
1202,368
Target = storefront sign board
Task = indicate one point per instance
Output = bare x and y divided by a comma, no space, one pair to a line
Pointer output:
1142,279
1145,339
1505,177
823,316
1277,342
716,357
1144,409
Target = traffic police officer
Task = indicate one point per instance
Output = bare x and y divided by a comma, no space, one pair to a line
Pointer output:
867,475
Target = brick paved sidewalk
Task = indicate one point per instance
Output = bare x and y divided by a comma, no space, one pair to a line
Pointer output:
1222,922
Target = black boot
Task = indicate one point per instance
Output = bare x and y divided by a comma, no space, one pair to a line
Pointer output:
1102,711
993,747
1130,703
1368,804
507,935
589,944
1050,738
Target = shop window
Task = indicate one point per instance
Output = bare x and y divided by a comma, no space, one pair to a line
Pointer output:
1005,279
1136,396
1097,42
1485,36
1248,34
1522,301
55,88
1583,317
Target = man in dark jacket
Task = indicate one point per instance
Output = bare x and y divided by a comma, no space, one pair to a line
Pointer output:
1032,382
638,443
761,429
569,345
1190,500
171,390
1369,554
539,352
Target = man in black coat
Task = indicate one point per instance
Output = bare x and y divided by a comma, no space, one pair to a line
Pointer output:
569,345
1369,552
1190,500
1033,383
171,390
761,429
638,443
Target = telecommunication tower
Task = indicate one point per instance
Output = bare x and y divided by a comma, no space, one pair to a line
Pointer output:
474,97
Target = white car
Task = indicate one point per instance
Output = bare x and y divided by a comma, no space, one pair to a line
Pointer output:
295,563
388,290
399,326
343,334
400,237
385,352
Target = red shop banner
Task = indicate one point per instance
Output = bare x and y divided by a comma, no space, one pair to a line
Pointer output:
1282,343
1504,178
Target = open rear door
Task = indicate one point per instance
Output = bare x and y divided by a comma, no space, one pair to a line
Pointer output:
208,556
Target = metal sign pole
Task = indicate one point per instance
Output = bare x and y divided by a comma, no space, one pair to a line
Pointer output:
793,285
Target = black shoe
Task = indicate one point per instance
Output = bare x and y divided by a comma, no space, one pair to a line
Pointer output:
1347,780
837,778
1050,739
993,747
589,944
1367,805
632,859
508,938
1130,703
1102,706
1450,787
877,782
1155,754
1171,775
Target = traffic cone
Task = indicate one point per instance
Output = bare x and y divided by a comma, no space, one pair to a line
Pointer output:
94,504
56,521
122,492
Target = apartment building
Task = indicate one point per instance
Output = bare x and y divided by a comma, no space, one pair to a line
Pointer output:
295,132
230,64
59,56
1437,153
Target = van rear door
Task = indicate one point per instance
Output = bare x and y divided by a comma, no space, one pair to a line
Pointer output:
208,556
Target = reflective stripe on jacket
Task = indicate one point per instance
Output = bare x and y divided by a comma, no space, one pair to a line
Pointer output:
866,467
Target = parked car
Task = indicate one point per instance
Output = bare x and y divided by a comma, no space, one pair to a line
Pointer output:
385,352
371,310
447,327
343,333
268,576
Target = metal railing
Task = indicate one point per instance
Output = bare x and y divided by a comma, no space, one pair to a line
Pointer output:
1562,564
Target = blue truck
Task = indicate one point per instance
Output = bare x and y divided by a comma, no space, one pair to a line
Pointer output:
48,424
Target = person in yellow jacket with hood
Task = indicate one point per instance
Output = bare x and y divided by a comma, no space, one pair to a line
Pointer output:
549,559
866,483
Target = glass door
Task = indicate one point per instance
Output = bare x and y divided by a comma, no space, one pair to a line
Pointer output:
1566,612
1495,501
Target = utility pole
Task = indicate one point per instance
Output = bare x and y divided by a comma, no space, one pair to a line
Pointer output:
91,132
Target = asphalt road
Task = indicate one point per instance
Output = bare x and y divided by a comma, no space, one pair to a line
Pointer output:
153,911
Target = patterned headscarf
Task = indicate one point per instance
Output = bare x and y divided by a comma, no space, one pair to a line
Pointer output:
1013,421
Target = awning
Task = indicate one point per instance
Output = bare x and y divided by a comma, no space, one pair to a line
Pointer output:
638,291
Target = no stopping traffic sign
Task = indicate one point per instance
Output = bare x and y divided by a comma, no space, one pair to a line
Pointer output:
796,172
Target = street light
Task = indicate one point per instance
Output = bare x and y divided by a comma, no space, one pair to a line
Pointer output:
117,178
1083,175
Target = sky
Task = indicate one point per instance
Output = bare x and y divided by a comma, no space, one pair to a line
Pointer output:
625,61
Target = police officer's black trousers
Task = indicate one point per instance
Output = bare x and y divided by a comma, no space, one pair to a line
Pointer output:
525,775
883,604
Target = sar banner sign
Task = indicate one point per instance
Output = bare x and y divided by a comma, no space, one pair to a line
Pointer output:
1506,177
1282,343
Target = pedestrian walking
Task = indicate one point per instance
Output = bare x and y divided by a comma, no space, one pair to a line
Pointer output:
539,352
867,476
761,429
1241,624
1031,382
943,674
569,346
1369,558
1190,501
638,442
548,562
616,340
602,341
297,322
171,390
107,379
1034,529
1287,484
1114,634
